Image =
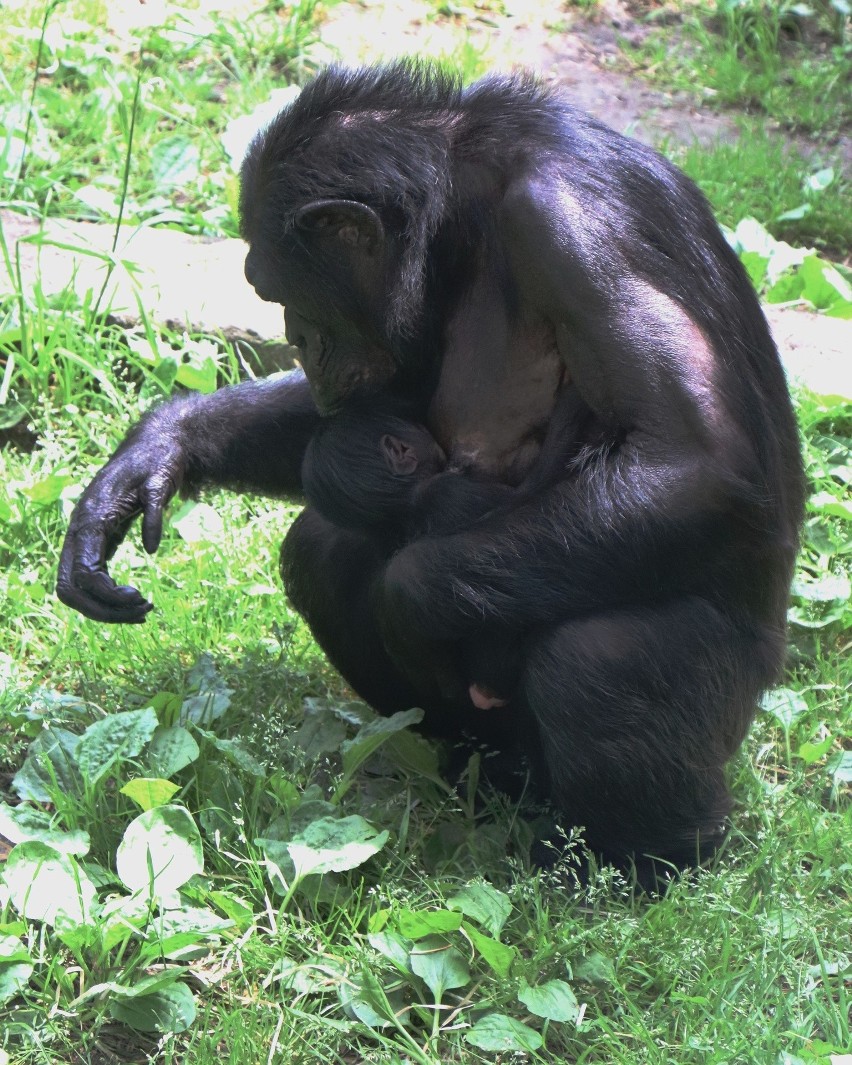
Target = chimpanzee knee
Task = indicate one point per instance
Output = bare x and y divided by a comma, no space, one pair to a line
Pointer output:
638,713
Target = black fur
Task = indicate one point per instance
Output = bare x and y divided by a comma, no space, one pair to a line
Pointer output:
489,257
386,476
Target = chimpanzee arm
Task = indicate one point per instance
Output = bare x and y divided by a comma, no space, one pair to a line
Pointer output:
251,436
678,481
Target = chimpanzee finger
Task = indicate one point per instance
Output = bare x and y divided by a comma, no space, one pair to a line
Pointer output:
84,583
152,521
108,601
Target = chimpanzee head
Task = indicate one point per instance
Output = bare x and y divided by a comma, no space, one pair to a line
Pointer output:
363,469
341,196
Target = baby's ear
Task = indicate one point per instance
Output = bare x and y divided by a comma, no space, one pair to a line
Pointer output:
401,458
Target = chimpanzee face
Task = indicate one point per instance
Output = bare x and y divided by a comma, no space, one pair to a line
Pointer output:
328,271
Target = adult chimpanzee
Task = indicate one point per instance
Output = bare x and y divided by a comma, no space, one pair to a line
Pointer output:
472,252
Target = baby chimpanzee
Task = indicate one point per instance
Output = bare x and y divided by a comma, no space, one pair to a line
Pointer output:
386,474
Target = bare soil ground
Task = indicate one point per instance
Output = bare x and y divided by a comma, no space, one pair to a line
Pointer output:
564,43
579,53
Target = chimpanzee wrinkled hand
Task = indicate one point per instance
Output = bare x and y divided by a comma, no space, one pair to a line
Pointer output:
140,478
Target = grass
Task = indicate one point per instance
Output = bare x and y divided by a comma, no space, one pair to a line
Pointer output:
760,176
218,732
789,62
192,74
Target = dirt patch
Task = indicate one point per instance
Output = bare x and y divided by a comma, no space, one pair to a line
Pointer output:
550,37
582,55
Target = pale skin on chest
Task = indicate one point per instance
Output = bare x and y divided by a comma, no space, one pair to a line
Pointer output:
499,383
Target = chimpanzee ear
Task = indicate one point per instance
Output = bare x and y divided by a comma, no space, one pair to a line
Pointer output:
351,222
400,457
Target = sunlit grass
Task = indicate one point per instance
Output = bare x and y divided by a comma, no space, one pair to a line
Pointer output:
745,962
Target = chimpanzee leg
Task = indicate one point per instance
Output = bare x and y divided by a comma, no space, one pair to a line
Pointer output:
328,574
638,713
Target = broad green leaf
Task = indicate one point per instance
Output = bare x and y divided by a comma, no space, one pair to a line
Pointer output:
827,589
498,1033
167,707
351,711
810,753
175,161
440,966
310,809
802,619
196,919
209,696
170,750
333,846
394,947
495,953
176,930
279,864
224,794
235,908
22,823
371,736
171,1009
820,180
789,286
46,885
204,676
11,413
364,998
417,756
283,790
50,489
840,767
16,967
160,851
50,767
113,739
321,731
235,752
147,985
595,968
795,213
484,904
822,283
751,236
198,523
201,374
122,919
415,924
756,266
303,979
555,1001
785,705
826,503
149,792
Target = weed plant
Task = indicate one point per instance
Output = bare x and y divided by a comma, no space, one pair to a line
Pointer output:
791,62
219,856
759,176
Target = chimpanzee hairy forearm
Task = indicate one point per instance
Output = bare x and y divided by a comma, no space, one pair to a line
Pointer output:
250,437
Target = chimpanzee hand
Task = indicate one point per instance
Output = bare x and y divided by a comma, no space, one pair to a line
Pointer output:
141,478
